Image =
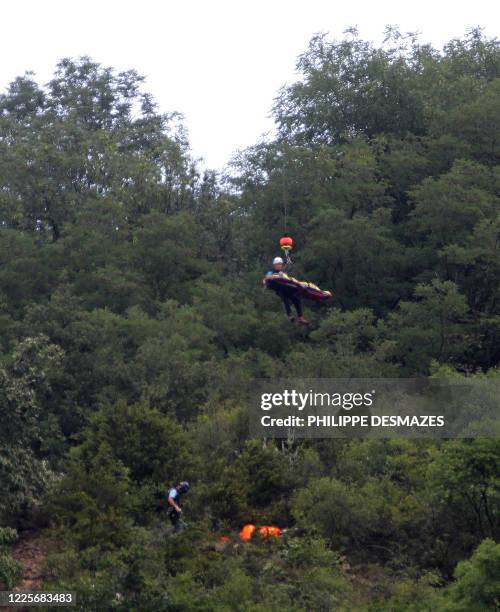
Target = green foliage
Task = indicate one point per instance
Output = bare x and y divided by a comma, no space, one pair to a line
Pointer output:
165,250
93,501
23,472
153,447
464,485
477,586
10,569
430,328
337,92
128,456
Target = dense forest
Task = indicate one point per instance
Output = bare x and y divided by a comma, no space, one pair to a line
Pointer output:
133,320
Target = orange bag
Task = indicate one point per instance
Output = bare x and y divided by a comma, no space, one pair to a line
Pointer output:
247,532
269,531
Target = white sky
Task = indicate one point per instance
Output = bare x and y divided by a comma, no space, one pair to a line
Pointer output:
219,62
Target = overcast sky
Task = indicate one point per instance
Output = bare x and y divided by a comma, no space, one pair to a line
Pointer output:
219,62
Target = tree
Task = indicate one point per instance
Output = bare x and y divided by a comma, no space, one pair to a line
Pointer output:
90,134
350,87
476,586
432,327
23,472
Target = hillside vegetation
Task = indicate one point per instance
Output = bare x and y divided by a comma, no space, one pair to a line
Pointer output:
132,322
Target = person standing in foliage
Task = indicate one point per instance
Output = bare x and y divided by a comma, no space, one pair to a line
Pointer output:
174,500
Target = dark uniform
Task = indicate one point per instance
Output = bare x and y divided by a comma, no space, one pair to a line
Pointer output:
289,296
173,515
